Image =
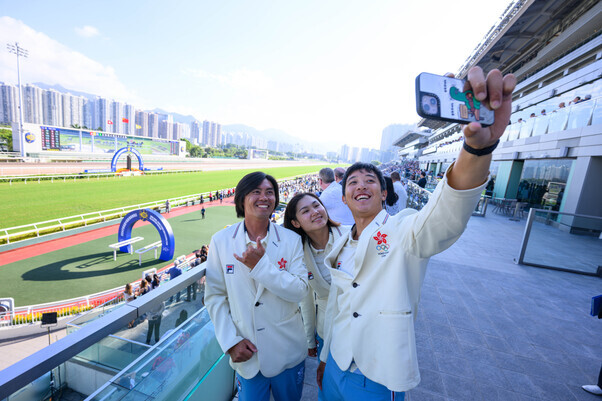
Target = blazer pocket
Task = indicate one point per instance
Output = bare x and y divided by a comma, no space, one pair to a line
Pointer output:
395,313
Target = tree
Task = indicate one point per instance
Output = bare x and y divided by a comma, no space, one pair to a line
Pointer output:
6,139
375,162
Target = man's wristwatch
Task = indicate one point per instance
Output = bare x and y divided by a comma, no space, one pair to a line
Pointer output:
480,152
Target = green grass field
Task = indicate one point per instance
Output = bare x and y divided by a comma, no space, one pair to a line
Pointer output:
22,203
89,267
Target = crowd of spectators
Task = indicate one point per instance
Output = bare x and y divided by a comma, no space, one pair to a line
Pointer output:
306,183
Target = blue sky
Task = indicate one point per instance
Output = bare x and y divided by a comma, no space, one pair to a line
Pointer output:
321,70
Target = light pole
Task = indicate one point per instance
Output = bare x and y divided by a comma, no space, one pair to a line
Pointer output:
19,51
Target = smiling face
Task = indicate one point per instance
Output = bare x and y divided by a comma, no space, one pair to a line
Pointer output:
310,215
260,202
363,194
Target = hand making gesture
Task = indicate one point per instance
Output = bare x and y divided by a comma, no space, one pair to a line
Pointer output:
251,256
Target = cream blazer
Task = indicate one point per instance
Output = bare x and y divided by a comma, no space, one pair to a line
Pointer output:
313,307
387,280
261,305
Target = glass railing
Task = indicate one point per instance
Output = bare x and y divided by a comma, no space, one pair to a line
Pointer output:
184,360
558,120
541,125
526,128
580,115
597,113
563,241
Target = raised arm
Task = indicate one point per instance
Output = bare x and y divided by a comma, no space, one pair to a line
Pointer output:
495,92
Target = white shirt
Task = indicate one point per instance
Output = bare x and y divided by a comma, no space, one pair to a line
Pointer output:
319,256
403,195
332,198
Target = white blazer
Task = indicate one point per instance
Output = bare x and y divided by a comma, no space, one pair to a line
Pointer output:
386,284
261,305
313,306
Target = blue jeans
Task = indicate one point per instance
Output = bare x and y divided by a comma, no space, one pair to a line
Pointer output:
339,385
287,386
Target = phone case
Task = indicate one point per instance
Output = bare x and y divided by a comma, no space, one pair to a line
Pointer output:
449,99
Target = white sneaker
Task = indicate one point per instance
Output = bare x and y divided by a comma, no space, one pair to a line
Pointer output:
592,388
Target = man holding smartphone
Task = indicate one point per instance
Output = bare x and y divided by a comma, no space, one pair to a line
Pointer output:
377,271
254,283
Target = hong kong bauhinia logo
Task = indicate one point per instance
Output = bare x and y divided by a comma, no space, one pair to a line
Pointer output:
282,264
381,238
382,248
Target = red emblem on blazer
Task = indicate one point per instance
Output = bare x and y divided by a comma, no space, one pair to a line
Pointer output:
380,238
282,264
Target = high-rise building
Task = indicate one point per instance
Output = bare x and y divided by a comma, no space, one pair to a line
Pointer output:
206,133
9,100
177,131
195,132
52,108
142,122
344,155
101,115
116,117
127,123
32,104
73,110
153,125
165,129
89,114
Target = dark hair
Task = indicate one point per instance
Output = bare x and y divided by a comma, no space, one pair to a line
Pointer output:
364,166
290,214
395,176
249,183
148,278
392,197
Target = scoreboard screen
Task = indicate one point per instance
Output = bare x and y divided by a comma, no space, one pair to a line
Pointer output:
51,138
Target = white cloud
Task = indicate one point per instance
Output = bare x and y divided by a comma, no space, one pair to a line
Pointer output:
87,31
54,63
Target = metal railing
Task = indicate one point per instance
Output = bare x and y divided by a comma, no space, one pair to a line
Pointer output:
40,363
83,176
562,241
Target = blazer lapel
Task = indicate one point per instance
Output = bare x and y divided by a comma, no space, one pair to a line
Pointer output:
365,238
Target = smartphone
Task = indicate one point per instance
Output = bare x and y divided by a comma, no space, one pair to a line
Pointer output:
449,99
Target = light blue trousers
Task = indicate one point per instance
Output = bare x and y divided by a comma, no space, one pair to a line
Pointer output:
339,385
287,386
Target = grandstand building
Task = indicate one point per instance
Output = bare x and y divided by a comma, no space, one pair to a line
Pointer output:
553,143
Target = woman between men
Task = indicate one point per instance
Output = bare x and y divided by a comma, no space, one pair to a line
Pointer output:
306,215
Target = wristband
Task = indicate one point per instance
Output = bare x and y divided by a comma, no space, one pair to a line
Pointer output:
480,152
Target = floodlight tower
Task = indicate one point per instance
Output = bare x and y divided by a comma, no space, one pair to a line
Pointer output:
19,51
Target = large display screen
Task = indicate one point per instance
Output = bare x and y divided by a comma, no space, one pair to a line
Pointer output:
85,141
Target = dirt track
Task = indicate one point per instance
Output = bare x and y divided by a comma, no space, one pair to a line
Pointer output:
16,169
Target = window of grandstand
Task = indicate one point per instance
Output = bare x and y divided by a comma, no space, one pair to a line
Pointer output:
542,183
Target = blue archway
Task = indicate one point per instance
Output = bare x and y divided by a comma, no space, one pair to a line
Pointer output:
122,151
168,242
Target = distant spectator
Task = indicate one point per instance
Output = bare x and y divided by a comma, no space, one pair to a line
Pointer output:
543,112
339,172
174,272
203,212
576,100
154,322
532,115
399,190
128,294
167,206
332,198
391,201
422,180
587,97
561,105
202,200
149,281
144,288
156,281
520,120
